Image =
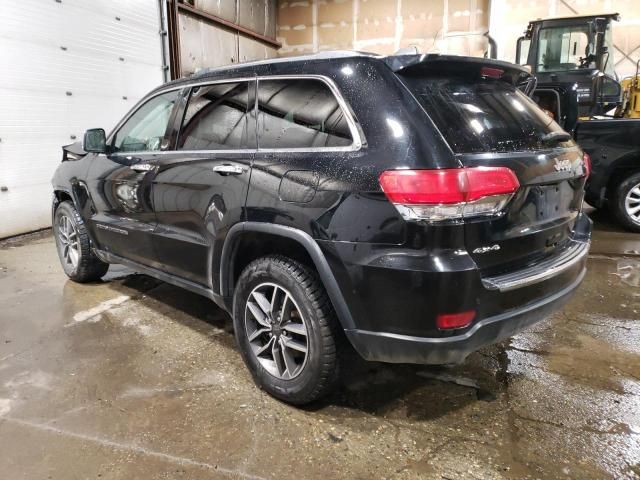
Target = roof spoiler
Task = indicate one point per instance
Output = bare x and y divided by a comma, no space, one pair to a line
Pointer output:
516,75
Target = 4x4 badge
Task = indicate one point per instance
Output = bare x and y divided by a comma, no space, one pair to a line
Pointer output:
492,248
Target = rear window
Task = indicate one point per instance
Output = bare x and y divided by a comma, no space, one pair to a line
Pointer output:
300,113
485,115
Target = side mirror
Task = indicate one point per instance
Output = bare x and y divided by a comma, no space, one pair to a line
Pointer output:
519,50
522,50
95,141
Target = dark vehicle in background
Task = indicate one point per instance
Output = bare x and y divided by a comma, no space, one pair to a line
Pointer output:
417,207
573,60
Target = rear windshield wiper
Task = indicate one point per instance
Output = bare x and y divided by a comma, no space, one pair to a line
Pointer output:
556,137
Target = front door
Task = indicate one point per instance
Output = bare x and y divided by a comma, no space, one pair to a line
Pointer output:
120,181
200,190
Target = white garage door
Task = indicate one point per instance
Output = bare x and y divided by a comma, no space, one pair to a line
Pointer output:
67,65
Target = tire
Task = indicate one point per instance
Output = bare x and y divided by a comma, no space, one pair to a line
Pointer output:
74,246
297,377
626,199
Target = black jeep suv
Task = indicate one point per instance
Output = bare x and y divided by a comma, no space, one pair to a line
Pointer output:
422,206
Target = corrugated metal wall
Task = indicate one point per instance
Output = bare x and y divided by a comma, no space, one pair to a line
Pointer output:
204,44
67,66
383,26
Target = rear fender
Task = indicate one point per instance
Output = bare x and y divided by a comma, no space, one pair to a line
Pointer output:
306,241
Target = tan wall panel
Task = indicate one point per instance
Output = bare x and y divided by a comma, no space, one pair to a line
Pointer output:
382,26
335,36
272,16
335,12
253,50
295,27
222,8
460,16
295,13
335,25
252,14
203,45
299,37
376,19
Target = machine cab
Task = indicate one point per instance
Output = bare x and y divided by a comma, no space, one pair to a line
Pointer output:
572,54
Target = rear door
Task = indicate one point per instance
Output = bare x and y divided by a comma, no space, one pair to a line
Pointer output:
200,189
488,122
120,182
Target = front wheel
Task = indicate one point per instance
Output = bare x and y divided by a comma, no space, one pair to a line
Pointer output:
626,203
74,247
286,329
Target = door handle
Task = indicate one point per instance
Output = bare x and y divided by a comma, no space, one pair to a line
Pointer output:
142,167
227,169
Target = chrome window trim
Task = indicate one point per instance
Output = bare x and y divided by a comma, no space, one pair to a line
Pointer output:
354,126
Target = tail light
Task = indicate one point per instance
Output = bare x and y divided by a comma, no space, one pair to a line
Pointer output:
491,72
435,195
586,158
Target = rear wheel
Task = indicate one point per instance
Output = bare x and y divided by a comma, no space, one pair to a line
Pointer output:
626,203
74,247
286,329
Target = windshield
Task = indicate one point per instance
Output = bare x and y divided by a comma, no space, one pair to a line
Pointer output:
483,115
570,48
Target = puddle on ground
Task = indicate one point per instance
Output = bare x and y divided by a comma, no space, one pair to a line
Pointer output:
629,271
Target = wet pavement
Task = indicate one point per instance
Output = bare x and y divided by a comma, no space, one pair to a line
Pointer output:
133,378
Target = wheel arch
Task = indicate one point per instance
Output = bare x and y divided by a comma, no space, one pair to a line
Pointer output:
299,243
76,192
78,195
60,195
620,170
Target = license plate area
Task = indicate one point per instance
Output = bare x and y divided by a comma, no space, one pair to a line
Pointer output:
552,201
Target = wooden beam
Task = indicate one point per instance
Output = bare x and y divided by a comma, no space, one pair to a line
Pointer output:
174,40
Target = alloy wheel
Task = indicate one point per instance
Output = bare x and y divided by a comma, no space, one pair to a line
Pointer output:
276,331
632,203
68,241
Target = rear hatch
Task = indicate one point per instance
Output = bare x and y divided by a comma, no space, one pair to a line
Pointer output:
489,122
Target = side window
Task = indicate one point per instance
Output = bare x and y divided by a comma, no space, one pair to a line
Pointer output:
300,113
146,129
217,118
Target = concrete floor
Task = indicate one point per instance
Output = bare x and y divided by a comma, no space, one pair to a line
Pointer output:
132,378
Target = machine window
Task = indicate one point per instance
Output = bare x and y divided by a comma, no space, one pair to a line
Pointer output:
570,48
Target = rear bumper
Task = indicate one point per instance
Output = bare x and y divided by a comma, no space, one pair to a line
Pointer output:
539,272
394,348
394,295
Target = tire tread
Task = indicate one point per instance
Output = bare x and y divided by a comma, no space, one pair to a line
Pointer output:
90,268
315,293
